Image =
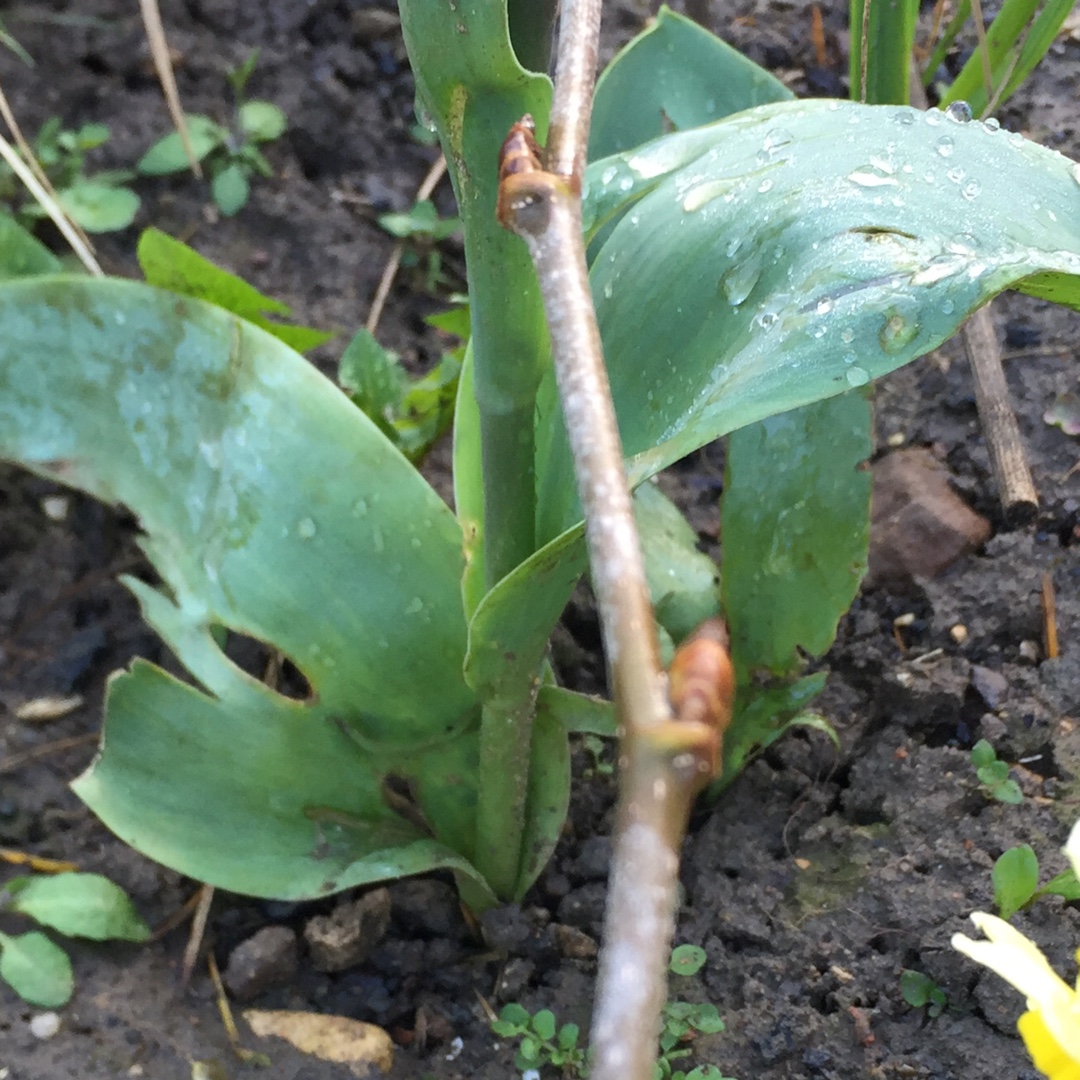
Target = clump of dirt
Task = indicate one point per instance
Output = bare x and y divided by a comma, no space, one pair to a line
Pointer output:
819,877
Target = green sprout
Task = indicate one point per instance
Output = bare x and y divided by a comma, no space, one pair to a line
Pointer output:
1016,881
919,990
423,229
994,774
542,1041
230,153
100,202
75,905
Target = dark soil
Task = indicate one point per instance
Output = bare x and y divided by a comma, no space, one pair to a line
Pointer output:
819,877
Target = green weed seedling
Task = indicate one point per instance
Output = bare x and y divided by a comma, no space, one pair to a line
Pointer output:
422,228
1016,881
101,202
73,904
920,991
542,1043
229,152
994,774
411,413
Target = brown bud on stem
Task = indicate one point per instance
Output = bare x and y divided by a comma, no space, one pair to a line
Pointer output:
701,687
519,162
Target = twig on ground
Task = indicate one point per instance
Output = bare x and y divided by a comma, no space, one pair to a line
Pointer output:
427,186
198,932
1016,490
17,761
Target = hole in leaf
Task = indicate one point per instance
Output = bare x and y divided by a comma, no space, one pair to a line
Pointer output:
265,663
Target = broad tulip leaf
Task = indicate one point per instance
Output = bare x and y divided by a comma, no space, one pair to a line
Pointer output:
813,246
683,582
673,75
548,799
272,507
796,529
79,905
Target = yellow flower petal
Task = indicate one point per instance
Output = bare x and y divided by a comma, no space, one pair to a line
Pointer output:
1045,1051
1053,1003
1072,848
1016,959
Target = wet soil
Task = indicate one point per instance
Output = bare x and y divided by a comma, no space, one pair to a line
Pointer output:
821,875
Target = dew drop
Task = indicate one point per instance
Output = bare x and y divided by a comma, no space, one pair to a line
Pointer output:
897,332
765,185
775,139
960,111
907,117
626,183
1076,172
609,288
824,307
971,189
933,117
767,320
867,178
955,175
609,174
856,376
947,307
305,528
360,508
992,123
415,606
820,330
698,196
945,146
739,281
847,335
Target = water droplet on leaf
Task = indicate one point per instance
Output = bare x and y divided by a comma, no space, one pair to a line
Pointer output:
305,528
960,111
856,376
897,332
739,281
945,146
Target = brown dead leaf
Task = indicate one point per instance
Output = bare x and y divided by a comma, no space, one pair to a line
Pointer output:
361,1046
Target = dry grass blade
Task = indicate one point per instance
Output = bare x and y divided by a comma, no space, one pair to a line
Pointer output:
159,50
198,932
50,205
1049,614
31,159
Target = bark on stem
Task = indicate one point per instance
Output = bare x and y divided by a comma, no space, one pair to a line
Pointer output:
663,761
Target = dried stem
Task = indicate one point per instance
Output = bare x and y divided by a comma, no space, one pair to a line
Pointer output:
424,191
1016,490
664,761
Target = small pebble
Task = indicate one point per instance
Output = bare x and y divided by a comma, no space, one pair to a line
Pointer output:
45,1025
55,507
1029,651
266,959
